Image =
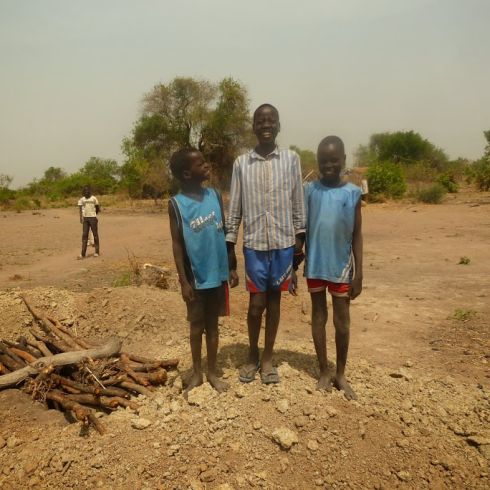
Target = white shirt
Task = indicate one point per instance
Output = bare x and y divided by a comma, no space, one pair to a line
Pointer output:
88,206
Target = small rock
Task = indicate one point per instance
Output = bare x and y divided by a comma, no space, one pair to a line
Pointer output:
406,404
312,445
209,475
331,412
30,467
140,423
201,395
285,437
12,442
403,475
282,406
478,440
257,425
301,421
3,442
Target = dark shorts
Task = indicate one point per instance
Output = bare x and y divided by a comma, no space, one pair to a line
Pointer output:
268,270
208,302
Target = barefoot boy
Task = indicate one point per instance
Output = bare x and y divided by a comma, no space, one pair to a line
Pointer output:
89,207
199,248
333,256
267,192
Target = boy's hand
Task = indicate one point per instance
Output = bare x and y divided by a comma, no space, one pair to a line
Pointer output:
187,291
298,245
293,285
233,279
81,221
356,287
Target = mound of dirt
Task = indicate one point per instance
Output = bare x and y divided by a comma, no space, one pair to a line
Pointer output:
408,429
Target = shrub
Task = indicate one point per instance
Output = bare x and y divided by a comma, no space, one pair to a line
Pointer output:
481,172
448,181
21,204
432,194
464,260
463,315
386,178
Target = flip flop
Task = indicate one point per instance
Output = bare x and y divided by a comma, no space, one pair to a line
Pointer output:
272,377
249,375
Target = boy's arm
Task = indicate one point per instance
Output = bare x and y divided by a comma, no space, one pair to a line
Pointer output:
97,206
80,212
298,202
357,251
178,251
231,260
234,216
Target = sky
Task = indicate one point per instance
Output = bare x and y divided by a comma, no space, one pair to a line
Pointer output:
73,73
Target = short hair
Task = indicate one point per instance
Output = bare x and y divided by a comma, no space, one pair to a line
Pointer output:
331,140
86,188
179,161
261,106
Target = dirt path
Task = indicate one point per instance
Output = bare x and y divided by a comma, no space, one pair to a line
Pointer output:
419,359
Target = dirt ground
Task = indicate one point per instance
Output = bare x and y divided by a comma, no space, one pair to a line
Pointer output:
419,361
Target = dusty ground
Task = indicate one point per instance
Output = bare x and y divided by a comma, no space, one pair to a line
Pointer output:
419,360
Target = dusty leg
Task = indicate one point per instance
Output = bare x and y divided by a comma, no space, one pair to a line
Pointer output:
94,225
212,341
197,329
319,315
341,321
256,308
86,227
272,317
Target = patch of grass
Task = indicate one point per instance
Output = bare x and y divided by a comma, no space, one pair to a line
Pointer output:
432,194
124,279
463,315
464,260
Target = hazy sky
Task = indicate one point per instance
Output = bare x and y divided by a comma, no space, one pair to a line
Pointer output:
73,73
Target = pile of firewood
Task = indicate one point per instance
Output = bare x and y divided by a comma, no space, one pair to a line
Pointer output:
69,373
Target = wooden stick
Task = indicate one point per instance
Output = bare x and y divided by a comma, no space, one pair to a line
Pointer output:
41,346
76,340
57,344
51,328
124,365
23,354
24,346
109,349
111,402
5,350
134,387
3,369
156,377
10,363
83,414
144,360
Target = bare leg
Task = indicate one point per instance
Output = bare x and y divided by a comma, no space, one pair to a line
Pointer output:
197,329
85,229
341,321
256,307
319,315
272,317
212,341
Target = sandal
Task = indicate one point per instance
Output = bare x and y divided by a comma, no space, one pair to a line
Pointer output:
270,378
248,372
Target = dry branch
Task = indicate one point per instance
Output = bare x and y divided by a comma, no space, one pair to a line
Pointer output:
111,348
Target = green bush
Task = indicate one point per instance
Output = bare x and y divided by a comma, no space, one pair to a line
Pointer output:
386,178
22,204
481,173
432,194
448,181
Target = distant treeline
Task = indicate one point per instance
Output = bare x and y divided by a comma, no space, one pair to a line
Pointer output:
216,119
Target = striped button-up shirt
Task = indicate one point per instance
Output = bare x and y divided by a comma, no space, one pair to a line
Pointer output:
268,194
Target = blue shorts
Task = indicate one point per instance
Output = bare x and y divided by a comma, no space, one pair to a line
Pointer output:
268,270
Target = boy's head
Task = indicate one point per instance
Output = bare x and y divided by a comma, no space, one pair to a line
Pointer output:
188,165
331,159
266,123
86,191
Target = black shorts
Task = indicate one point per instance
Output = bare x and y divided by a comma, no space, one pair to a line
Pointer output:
208,302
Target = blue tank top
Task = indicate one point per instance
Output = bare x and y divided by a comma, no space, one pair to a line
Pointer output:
201,223
330,224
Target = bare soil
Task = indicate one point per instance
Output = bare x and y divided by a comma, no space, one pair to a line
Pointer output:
419,361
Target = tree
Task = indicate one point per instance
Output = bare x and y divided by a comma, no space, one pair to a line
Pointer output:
101,174
53,174
308,160
5,181
405,147
186,112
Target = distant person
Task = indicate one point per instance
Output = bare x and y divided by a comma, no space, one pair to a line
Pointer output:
267,193
333,257
89,208
199,249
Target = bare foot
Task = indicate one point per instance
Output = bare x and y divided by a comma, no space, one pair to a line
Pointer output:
341,384
195,381
324,383
216,383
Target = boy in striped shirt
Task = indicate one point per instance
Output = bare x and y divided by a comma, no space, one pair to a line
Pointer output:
267,193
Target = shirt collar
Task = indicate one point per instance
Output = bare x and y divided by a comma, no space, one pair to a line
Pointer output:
255,156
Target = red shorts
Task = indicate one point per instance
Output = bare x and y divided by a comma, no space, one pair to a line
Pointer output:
334,288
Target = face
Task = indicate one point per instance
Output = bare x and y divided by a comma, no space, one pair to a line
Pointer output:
266,125
86,192
198,168
331,161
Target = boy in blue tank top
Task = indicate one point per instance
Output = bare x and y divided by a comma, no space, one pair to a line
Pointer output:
333,257
201,258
